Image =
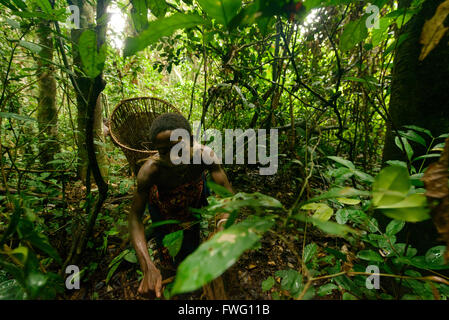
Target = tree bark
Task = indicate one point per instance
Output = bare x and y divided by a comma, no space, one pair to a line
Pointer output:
87,21
47,113
419,89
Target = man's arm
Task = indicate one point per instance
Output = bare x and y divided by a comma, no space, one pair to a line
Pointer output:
152,278
219,177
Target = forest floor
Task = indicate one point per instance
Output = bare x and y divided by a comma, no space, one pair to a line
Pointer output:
242,281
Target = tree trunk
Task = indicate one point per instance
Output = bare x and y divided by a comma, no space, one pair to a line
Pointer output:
47,113
420,97
87,21
420,89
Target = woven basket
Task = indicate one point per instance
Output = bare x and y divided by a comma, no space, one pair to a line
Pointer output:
130,123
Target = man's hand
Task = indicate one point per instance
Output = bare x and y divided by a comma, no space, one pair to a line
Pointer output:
152,281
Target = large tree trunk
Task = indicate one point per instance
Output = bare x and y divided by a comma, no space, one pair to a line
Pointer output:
420,89
420,97
87,21
47,113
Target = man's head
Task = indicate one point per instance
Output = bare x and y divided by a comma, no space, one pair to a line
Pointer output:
161,129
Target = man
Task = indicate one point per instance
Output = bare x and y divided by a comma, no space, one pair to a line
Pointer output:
170,190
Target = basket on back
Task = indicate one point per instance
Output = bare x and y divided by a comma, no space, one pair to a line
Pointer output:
130,124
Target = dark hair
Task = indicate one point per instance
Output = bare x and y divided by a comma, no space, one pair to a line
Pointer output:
168,121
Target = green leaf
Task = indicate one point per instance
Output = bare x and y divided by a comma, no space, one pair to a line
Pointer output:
365,177
426,156
342,216
413,136
380,34
35,281
139,12
326,289
119,257
221,10
158,7
326,226
112,270
45,6
11,115
342,161
173,242
216,255
390,185
394,227
435,255
397,163
291,281
268,284
339,192
31,46
323,213
369,255
13,23
11,290
309,251
348,296
419,129
131,257
42,243
348,201
93,60
354,32
412,209
408,148
159,28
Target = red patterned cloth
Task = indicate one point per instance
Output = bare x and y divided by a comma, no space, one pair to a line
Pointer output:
175,203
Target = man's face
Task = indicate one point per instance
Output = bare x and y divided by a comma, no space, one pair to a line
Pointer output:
163,144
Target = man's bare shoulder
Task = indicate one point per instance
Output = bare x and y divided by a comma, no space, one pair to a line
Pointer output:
146,174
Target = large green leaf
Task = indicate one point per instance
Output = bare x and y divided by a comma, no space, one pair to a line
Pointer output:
160,28
158,7
391,185
412,209
354,32
139,14
216,255
221,10
92,59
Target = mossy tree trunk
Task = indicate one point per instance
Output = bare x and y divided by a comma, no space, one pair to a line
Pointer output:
87,21
47,112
